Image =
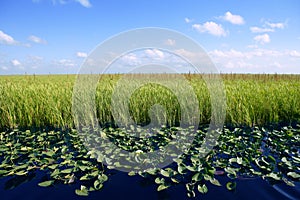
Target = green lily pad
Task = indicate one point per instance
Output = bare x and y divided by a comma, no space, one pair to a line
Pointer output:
152,171
131,173
239,160
46,183
191,194
230,170
181,168
274,176
190,187
215,182
175,180
3,172
197,177
82,192
55,173
293,175
272,159
67,171
165,173
231,185
54,166
21,173
202,188
162,187
102,178
84,167
159,180
98,184
232,160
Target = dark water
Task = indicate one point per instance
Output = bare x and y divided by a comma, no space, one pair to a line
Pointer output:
121,186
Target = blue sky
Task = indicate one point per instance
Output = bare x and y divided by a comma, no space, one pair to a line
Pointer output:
55,36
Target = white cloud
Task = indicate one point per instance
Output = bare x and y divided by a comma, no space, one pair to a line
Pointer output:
255,29
234,19
211,28
85,3
294,53
232,54
264,53
131,59
229,54
262,39
152,59
170,42
36,58
276,25
34,61
252,46
15,62
66,63
193,56
6,39
81,54
36,39
187,20
276,65
185,53
154,53
257,60
4,68
233,65
267,27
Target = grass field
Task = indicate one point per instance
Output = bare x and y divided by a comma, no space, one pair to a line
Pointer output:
42,101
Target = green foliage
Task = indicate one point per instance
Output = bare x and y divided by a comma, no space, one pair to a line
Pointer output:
271,154
46,100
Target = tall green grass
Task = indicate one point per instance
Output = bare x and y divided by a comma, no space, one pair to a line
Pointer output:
46,100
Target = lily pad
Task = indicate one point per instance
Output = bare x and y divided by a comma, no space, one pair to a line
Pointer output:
274,176
162,187
82,192
202,188
294,175
197,177
46,183
215,182
231,185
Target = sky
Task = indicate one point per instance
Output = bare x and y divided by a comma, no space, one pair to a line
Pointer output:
56,36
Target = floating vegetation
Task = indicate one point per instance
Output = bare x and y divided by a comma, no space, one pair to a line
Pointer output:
241,152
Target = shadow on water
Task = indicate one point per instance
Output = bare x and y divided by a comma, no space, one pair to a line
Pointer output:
17,181
121,186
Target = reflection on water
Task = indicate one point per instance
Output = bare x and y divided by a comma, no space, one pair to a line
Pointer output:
292,193
121,186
